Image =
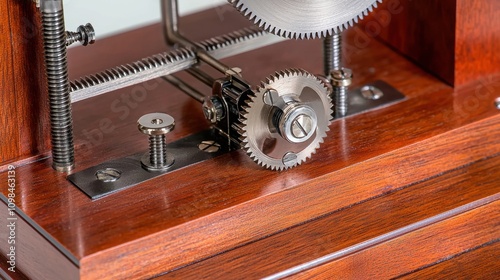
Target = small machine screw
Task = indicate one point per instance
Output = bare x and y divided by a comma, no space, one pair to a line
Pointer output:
209,146
371,93
108,175
156,125
270,97
497,103
290,159
341,80
213,109
85,34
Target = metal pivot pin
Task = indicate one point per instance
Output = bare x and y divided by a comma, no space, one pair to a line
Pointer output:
156,125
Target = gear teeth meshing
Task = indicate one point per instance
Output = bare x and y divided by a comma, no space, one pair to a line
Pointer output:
256,100
267,26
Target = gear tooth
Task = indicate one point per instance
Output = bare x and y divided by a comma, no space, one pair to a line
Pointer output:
260,20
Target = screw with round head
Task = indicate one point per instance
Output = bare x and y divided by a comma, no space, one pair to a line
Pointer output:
156,125
341,80
85,34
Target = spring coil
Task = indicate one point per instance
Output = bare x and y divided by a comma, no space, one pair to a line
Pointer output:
158,150
59,98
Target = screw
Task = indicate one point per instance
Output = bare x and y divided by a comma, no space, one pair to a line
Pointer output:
85,34
290,159
108,175
156,125
332,48
56,67
270,97
302,126
497,103
213,109
209,146
341,80
371,92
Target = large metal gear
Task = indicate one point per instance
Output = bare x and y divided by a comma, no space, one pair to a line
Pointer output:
286,120
305,19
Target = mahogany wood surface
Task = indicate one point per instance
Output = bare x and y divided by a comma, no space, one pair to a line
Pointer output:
478,263
23,90
351,225
457,40
36,257
415,249
218,205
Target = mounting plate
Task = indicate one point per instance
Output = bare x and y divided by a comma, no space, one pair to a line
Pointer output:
128,172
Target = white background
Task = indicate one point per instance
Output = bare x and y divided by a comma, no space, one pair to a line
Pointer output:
114,16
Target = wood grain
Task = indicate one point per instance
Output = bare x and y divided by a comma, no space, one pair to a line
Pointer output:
479,263
457,40
399,255
36,257
217,205
350,225
24,91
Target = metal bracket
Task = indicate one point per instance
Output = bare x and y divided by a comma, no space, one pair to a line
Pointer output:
127,172
360,102
115,175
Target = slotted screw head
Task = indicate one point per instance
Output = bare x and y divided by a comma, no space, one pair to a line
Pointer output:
342,77
156,124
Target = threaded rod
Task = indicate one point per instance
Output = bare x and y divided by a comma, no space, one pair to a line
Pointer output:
61,123
332,53
158,150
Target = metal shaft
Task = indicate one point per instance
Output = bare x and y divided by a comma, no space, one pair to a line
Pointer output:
340,97
332,48
186,88
54,35
170,16
158,150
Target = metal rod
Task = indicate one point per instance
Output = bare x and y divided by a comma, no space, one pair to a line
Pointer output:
170,16
186,88
56,65
168,63
332,53
201,76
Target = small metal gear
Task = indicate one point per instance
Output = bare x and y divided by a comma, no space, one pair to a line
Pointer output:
304,19
286,120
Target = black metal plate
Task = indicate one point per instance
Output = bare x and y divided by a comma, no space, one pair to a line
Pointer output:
185,151
359,104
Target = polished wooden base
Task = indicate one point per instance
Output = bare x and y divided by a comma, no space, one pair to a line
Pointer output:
375,199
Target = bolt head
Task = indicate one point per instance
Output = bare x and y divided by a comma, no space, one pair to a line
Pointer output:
108,175
270,97
342,77
213,109
371,92
156,124
298,123
290,159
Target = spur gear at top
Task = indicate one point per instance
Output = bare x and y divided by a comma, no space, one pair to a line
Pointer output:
305,19
286,119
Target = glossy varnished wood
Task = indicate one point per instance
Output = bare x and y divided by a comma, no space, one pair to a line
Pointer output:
397,256
351,225
217,205
24,107
479,263
36,258
457,40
